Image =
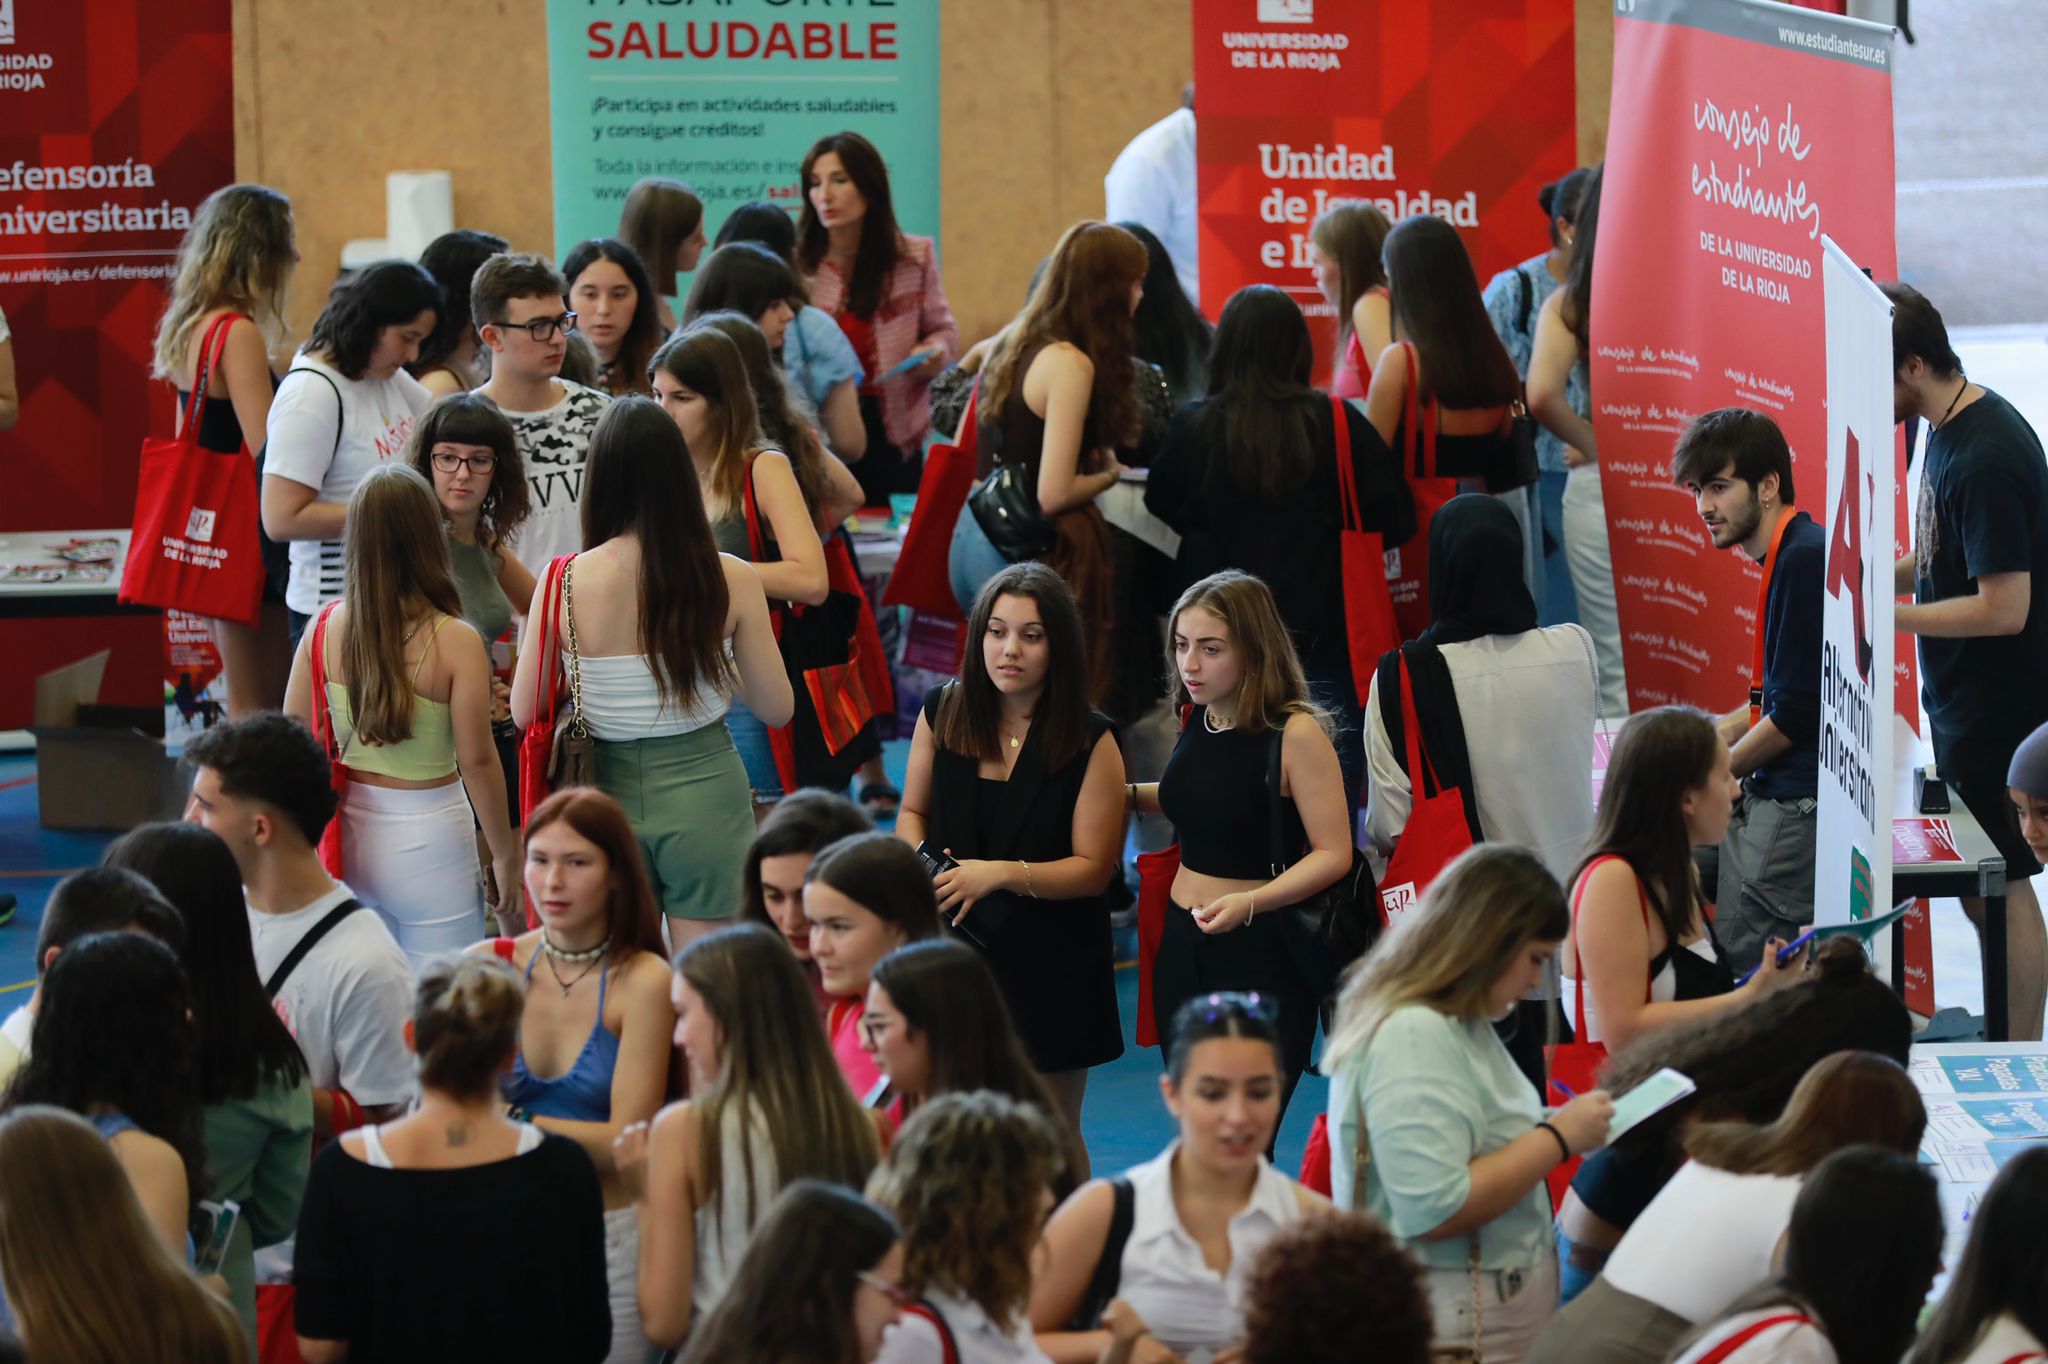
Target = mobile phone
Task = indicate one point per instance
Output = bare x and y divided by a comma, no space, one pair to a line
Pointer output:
986,919
934,859
213,1226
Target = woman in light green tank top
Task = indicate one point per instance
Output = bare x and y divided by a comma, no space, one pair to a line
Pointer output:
405,683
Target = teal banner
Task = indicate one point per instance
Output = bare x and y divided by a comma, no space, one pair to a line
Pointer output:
727,97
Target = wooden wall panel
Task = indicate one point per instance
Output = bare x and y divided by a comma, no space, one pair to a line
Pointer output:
1593,38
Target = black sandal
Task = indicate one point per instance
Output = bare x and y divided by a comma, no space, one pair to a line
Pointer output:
880,800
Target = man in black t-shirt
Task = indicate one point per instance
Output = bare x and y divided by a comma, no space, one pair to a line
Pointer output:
1980,539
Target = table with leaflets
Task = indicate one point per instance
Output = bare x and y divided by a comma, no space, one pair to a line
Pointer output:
1986,1103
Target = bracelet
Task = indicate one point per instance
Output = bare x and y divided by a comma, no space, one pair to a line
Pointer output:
1564,1150
1252,907
1027,878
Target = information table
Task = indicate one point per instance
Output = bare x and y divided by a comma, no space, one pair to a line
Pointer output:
63,573
1986,1103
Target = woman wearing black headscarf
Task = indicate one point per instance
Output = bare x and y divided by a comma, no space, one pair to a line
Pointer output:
1506,710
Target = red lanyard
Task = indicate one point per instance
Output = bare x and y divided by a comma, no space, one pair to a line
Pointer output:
1763,604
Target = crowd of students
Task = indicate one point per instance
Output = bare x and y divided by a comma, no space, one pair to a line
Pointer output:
766,1082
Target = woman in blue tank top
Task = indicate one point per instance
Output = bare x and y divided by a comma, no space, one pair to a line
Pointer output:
594,1037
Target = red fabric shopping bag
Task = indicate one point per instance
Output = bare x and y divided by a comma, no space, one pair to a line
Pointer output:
1156,871
1436,830
921,579
1369,619
194,544
323,730
1407,568
537,743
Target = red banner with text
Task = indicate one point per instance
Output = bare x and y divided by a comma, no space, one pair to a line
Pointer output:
1449,107
1740,131
116,119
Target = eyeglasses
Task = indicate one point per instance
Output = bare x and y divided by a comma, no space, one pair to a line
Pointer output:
1236,1004
889,1289
874,1028
542,329
447,461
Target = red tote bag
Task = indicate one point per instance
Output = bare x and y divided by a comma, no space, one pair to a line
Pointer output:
1575,1065
1436,830
1407,568
193,545
1369,619
537,743
921,579
323,730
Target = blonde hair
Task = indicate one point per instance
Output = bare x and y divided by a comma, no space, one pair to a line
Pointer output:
1271,687
1845,1099
1352,233
466,1015
966,1178
237,254
1481,912
396,576
85,1273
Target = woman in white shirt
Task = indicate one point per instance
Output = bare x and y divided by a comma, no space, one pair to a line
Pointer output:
1860,1254
1175,1237
1433,1128
969,1179
659,629
345,406
1996,1308
1715,1228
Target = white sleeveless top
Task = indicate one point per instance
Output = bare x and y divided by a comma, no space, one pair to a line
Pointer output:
724,1230
623,701
375,1154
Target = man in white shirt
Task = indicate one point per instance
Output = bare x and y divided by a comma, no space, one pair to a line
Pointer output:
263,784
1152,183
517,302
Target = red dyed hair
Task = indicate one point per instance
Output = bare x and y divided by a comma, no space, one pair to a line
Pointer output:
631,918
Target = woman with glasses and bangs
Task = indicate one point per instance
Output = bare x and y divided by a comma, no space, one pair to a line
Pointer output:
1154,1238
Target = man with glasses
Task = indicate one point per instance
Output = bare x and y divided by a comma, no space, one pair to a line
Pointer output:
516,300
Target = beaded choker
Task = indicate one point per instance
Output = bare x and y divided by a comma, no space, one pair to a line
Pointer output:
564,954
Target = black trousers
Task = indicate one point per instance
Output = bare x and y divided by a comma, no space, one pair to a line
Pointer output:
1252,959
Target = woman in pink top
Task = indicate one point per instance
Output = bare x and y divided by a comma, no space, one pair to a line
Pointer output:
1345,244
882,286
864,897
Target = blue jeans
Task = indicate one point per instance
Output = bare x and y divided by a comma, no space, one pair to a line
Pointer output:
1573,1280
971,560
750,737
1559,605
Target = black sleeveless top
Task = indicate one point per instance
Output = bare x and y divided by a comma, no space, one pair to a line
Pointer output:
1214,791
220,429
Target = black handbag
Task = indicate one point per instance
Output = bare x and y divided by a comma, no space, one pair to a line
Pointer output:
1334,927
1517,467
1005,505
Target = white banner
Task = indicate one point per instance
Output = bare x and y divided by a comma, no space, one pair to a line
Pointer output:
1852,876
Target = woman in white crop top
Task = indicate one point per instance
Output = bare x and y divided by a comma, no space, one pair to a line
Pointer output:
1200,1211
408,696
664,629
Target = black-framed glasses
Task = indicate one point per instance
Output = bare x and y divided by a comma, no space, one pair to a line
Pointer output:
542,329
447,461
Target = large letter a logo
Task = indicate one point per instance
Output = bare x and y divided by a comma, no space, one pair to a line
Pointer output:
1845,550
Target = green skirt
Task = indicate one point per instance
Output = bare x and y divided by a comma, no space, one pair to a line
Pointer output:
693,812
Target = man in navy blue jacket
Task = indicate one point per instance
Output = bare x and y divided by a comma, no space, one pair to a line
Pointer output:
1738,468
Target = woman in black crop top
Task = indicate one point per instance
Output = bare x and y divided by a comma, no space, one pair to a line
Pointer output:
234,264
1013,776
1240,683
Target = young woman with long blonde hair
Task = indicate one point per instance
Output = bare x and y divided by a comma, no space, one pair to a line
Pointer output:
1240,685
409,700
85,1276
1454,1139
234,265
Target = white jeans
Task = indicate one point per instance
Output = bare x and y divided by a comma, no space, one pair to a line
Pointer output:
1592,569
622,1273
411,856
1511,1315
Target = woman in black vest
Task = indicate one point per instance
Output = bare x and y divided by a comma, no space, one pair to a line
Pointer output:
1016,779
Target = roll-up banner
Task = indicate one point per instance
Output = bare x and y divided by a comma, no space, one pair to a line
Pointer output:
1740,132
116,119
1420,106
727,98
1853,821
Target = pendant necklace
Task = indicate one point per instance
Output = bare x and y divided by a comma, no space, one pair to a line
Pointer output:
570,983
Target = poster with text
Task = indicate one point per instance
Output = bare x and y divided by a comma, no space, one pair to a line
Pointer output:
1740,132
1420,106
727,98
1852,876
116,119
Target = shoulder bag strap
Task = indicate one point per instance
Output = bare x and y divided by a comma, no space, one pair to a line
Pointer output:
1525,293
1419,423
1109,1266
340,407
949,1348
576,726
968,439
210,348
1421,776
1347,476
307,944
1750,1332
547,673
1276,842
323,720
757,543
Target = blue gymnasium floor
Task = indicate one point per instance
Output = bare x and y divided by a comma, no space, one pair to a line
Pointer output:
1124,1121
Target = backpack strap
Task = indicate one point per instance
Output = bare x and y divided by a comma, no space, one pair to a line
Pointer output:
305,945
1109,1266
1525,293
340,407
949,1348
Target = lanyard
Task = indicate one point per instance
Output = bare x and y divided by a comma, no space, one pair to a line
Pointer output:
1763,602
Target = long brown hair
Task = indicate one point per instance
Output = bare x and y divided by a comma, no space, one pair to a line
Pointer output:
396,578
1576,305
881,241
631,920
86,1276
1434,297
1272,686
1659,756
1352,233
707,361
237,254
775,1070
779,414
970,710
658,217
1083,298
638,481
1846,1098
472,419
